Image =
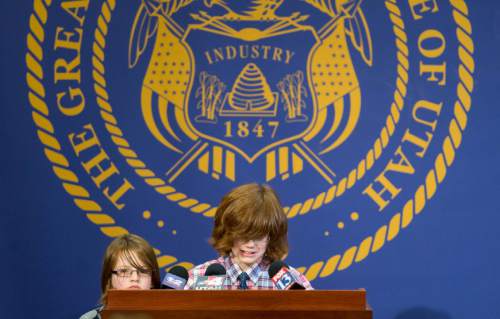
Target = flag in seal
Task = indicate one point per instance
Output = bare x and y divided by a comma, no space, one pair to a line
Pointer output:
237,87
393,165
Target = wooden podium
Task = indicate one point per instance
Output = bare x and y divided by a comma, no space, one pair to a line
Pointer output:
237,304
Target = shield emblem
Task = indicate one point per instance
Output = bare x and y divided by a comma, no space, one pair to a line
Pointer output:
250,91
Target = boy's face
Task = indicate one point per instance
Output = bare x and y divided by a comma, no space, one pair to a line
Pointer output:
247,253
128,277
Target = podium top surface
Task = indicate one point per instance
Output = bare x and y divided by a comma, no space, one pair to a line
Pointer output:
213,300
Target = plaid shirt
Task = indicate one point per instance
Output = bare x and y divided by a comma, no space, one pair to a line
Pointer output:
258,273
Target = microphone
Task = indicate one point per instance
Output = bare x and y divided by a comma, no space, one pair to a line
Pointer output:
282,277
215,270
213,279
176,278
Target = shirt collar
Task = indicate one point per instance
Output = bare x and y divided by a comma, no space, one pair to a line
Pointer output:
233,270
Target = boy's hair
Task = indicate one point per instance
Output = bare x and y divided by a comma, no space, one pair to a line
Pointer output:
249,212
125,246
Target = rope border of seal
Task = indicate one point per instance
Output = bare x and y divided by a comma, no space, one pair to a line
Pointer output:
357,173
46,133
435,176
371,244
301,208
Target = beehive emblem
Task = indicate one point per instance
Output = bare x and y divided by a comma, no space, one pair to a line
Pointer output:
236,99
251,90
250,95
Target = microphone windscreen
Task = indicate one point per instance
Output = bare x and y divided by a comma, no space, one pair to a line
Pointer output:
275,267
179,271
215,270
176,278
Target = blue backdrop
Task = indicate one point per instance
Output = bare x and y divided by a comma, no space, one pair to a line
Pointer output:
376,122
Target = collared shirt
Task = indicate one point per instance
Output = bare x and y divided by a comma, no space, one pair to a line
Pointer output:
258,273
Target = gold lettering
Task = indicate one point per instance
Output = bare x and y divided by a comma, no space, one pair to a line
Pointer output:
73,9
266,49
64,70
231,52
65,39
423,105
243,51
386,187
81,142
99,167
209,58
255,52
289,56
219,55
417,141
431,44
75,94
419,7
428,51
437,72
277,54
400,164
98,163
118,194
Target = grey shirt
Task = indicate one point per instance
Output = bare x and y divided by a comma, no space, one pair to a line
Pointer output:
93,314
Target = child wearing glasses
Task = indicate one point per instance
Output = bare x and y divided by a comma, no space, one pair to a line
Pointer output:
129,263
250,233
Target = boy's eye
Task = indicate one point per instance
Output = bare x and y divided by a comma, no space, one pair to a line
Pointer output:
127,272
124,272
144,271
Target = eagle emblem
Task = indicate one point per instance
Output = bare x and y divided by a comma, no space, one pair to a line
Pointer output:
243,85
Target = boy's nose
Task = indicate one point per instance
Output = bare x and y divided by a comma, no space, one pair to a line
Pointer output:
135,275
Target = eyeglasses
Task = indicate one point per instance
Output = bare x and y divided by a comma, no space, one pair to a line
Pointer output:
261,241
127,272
